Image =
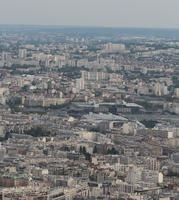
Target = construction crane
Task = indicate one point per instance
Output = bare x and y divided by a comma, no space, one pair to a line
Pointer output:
153,143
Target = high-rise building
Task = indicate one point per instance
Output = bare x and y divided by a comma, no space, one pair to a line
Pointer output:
80,84
114,47
22,53
160,89
94,76
177,92
4,56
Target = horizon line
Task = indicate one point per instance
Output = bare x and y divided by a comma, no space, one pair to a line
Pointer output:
89,26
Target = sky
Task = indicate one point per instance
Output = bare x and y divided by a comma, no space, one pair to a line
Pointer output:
107,13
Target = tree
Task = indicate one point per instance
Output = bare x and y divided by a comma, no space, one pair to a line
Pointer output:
66,148
6,137
37,132
95,149
84,150
81,149
112,151
88,156
149,123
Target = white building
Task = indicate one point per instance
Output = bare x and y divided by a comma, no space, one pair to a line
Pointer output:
109,47
134,175
177,92
160,89
137,175
151,176
22,53
79,85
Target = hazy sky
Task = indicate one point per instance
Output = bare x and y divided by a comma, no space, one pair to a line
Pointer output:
120,13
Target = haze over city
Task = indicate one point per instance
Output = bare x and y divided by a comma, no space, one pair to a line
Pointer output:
110,13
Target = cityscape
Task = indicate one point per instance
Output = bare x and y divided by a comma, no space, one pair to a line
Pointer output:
89,113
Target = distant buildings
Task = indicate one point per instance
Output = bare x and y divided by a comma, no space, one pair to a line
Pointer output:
111,48
85,116
22,53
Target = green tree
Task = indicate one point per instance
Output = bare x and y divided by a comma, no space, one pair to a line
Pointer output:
37,132
149,123
112,151
81,149
84,150
95,149
88,156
